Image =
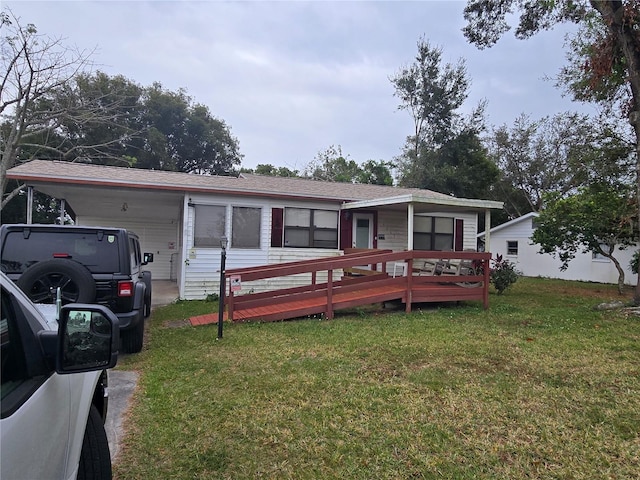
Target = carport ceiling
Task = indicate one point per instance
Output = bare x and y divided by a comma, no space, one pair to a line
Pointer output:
106,202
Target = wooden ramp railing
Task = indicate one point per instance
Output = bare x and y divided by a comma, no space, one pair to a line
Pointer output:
411,281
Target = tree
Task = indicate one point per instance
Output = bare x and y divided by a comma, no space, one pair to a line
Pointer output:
606,50
331,165
271,171
38,79
460,168
553,154
431,92
183,136
599,219
375,173
444,153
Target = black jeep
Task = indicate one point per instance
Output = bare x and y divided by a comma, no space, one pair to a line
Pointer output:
89,264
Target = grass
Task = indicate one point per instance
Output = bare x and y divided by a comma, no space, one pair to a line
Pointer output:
539,386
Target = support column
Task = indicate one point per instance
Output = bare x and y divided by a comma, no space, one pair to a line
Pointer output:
410,226
29,205
487,230
63,205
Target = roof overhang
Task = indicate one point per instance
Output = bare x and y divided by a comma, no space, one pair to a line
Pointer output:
423,203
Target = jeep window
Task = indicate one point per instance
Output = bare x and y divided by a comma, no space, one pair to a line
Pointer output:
245,227
99,256
209,225
134,251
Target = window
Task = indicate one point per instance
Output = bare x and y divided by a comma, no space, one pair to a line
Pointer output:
245,227
209,225
99,254
598,257
310,228
433,233
23,368
512,247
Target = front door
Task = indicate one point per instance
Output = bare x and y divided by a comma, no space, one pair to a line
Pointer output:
362,230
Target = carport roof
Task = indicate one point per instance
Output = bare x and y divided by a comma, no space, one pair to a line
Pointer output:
46,172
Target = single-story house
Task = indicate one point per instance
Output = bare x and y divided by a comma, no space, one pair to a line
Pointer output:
513,241
183,218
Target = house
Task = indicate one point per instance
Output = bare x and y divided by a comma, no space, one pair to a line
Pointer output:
513,241
183,218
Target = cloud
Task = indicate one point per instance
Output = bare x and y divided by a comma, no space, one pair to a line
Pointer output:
293,78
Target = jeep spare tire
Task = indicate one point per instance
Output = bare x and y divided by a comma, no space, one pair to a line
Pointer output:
40,282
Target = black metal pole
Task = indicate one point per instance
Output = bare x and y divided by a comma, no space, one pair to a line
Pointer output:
223,261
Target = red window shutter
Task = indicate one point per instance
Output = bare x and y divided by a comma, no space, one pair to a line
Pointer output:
458,239
345,229
277,223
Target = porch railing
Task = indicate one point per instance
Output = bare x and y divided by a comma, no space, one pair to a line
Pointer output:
374,269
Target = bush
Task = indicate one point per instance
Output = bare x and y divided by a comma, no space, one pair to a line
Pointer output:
503,274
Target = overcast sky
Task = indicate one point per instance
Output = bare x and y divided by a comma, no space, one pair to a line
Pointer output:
293,78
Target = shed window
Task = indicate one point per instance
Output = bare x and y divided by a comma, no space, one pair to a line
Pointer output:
245,227
209,225
512,247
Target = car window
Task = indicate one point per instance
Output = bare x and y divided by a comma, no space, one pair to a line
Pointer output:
20,375
135,254
14,368
99,253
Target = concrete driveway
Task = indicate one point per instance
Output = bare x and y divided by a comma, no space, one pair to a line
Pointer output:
122,383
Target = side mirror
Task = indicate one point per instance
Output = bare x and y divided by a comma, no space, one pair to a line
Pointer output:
147,258
88,338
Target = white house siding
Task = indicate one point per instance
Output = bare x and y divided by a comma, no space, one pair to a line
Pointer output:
533,264
202,267
162,238
393,226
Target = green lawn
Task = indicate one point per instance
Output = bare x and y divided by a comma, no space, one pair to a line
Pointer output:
539,386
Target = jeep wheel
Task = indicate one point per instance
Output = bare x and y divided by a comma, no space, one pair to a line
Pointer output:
131,339
41,280
95,458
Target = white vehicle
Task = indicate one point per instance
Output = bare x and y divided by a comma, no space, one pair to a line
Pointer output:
53,398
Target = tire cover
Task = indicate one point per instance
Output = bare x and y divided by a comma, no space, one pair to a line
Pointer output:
40,281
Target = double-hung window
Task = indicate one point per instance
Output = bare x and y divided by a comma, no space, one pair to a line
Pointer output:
433,233
209,225
308,228
245,227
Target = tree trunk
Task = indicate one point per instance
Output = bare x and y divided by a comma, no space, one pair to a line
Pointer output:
620,273
613,15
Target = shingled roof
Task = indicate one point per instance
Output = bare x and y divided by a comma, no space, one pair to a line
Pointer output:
75,173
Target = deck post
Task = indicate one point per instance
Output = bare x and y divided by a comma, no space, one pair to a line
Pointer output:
223,283
330,294
409,282
485,285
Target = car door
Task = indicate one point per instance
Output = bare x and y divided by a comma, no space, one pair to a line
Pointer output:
35,402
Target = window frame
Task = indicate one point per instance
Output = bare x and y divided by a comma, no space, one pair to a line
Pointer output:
312,229
432,235
511,251
233,227
215,243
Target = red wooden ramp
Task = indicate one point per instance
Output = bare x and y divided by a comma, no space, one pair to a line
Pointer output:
375,286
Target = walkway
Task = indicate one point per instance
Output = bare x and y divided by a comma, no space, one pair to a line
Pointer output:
375,286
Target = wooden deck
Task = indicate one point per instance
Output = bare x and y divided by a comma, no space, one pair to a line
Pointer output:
342,291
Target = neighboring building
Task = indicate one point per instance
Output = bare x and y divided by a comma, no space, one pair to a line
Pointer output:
513,241
181,217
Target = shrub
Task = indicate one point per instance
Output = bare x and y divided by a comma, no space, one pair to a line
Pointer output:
633,264
503,274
